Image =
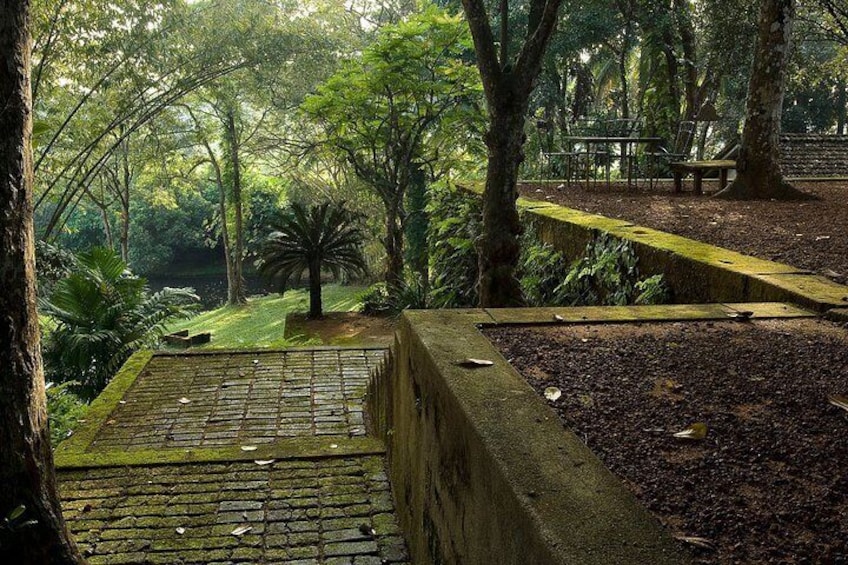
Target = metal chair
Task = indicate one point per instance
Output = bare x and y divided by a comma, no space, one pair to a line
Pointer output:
679,150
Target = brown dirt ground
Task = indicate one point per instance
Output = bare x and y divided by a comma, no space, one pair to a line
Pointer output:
343,328
768,483
809,235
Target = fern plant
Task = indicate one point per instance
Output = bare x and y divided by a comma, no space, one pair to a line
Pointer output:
103,313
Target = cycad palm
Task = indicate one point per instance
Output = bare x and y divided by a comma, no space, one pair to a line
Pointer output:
326,236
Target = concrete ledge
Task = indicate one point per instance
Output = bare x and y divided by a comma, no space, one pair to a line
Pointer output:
484,473
696,272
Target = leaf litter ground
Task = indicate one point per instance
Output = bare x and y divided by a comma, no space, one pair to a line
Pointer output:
767,484
811,235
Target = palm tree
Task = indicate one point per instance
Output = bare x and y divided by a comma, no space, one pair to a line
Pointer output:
103,314
326,236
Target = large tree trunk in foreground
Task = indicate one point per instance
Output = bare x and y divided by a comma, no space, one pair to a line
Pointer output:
758,174
508,83
26,460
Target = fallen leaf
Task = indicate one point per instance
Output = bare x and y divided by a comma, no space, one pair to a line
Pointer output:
839,401
367,530
742,315
698,430
184,400
249,448
241,530
474,363
264,461
181,531
552,393
703,543
17,513
558,318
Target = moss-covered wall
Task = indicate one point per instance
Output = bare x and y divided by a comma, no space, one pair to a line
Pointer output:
484,473
696,272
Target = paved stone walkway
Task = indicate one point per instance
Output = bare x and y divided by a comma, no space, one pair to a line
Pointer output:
240,457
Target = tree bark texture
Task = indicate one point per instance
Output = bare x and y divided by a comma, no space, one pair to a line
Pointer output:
235,277
316,309
507,83
394,248
27,475
499,248
758,174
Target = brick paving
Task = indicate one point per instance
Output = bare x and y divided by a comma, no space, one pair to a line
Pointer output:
187,401
313,510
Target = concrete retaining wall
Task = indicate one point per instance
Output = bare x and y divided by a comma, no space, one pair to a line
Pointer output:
696,272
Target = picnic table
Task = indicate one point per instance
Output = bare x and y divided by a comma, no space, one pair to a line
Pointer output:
698,168
627,144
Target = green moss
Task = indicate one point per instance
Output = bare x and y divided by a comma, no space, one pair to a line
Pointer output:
291,448
103,406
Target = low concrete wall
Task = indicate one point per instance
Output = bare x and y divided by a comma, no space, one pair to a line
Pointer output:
483,472
696,272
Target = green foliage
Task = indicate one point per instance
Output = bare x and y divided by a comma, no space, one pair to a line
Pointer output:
455,226
52,263
541,270
608,275
103,313
410,102
375,300
326,236
164,228
412,293
64,409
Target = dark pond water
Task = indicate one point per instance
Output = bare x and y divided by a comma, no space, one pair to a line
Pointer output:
212,289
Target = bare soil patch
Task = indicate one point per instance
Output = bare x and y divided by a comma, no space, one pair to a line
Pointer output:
809,235
768,483
343,328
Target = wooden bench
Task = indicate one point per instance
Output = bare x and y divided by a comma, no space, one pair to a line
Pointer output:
698,168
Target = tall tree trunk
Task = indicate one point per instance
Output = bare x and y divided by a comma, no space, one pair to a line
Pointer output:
26,460
124,198
499,248
394,247
222,209
507,84
758,174
235,284
417,225
316,309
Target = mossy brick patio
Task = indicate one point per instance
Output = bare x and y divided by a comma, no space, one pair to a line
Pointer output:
159,472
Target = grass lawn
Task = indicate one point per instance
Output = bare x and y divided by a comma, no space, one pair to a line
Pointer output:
261,323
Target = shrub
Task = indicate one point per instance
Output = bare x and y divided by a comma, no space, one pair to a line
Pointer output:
64,409
103,313
455,226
